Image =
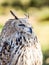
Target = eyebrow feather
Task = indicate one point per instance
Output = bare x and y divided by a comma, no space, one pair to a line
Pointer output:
21,25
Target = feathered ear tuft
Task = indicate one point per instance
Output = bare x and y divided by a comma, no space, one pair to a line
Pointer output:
14,15
27,15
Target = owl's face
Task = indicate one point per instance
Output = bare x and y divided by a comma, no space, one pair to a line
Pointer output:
22,25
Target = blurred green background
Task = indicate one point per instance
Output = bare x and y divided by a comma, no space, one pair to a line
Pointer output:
38,17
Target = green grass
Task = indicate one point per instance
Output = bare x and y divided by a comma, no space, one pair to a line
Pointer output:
41,14
1,26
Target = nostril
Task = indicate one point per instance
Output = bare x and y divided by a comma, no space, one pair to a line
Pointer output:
30,30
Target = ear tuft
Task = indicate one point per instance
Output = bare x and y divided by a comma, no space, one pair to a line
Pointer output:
14,15
27,15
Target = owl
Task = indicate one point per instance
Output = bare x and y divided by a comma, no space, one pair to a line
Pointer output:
19,44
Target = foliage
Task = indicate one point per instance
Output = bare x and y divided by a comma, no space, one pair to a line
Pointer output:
46,57
1,27
26,4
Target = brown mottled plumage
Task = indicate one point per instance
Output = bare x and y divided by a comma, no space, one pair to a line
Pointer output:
18,44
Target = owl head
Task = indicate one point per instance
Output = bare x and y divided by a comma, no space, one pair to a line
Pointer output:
22,24
17,24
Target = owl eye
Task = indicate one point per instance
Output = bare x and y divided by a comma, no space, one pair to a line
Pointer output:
22,25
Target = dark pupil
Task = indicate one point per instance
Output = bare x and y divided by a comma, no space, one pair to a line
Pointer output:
22,25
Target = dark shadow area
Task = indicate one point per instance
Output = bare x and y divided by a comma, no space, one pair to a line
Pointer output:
46,57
